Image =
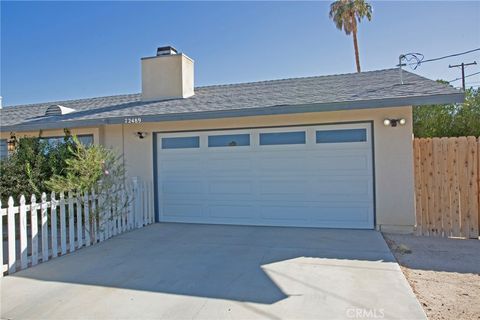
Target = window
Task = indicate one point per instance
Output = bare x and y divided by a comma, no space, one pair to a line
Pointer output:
229,140
3,149
276,138
86,139
338,136
180,142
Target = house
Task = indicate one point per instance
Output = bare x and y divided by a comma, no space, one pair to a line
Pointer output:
328,151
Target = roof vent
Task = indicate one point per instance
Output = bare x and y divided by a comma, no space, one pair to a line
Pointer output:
166,51
57,110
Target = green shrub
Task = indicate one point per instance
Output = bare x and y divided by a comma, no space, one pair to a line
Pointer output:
31,165
88,168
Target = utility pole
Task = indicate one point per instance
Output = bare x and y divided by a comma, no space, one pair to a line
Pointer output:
463,65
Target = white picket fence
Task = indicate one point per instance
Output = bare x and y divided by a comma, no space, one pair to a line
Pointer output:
48,228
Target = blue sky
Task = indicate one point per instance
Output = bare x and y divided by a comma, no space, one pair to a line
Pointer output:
67,50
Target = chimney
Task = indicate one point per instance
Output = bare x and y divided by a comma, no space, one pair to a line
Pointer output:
168,75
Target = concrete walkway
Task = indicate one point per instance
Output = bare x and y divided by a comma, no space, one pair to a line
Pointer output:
183,271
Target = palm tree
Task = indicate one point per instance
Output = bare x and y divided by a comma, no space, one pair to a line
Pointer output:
347,14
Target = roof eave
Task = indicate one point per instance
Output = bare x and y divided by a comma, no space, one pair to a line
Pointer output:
271,110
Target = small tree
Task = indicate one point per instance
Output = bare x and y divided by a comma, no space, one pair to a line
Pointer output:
98,169
89,168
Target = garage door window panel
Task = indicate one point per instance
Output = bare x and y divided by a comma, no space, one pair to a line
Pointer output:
341,136
229,140
282,138
180,142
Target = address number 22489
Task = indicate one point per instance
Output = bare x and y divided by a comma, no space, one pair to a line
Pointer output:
133,120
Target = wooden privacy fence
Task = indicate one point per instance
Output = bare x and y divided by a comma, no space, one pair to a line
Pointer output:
447,184
54,226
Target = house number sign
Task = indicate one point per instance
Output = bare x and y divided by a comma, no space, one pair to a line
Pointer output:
133,120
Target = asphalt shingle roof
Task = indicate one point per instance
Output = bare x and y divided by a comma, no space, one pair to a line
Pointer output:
334,92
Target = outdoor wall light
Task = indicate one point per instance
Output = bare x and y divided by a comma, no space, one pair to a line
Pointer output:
12,142
141,135
394,122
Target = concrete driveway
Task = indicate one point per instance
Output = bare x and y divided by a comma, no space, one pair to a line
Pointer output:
180,271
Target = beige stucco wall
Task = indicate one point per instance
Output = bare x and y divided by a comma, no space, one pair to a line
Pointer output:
393,151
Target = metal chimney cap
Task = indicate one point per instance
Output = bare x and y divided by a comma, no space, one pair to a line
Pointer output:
166,51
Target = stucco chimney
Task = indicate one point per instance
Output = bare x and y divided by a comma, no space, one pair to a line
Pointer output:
168,75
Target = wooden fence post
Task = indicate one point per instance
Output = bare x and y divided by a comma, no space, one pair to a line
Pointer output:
472,185
23,233
63,224
417,187
71,222
445,190
149,202
436,187
122,210
131,207
141,212
106,214
424,186
94,218
53,224
101,218
78,198
12,261
87,218
462,160
115,212
108,217
44,217
455,189
34,227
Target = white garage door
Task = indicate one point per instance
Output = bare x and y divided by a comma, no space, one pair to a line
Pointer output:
315,176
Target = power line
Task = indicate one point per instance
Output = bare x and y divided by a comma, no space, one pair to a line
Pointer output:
418,58
469,75
451,55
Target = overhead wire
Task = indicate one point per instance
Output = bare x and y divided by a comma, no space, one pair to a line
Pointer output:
415,59
469,75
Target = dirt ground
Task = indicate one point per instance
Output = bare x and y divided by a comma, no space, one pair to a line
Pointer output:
444,274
